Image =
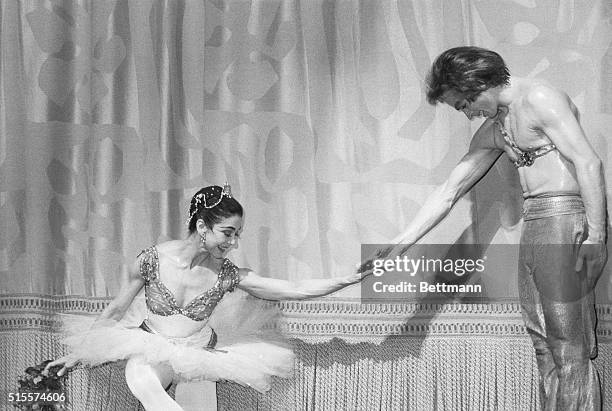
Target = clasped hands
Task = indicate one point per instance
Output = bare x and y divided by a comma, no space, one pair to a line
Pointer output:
367,267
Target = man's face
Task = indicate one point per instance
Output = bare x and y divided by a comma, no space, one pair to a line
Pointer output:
484,105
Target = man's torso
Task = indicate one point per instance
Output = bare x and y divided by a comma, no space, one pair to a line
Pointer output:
549,173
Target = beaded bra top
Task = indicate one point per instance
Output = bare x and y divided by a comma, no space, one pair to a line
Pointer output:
161,301
524,158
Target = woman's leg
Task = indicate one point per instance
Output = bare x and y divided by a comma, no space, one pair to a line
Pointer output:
147,382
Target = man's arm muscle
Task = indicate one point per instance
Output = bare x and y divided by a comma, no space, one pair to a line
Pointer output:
472,167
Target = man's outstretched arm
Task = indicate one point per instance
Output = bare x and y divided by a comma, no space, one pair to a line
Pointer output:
472,167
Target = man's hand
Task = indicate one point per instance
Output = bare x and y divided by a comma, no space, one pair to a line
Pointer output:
593,255
67,361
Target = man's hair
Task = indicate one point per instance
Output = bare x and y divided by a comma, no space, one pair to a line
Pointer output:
468,70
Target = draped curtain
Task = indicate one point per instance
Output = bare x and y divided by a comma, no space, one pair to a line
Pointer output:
114,113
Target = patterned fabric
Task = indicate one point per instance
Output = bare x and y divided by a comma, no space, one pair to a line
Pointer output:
161,301
451,357
114,113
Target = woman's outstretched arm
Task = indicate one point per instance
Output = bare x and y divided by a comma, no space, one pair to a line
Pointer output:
275,289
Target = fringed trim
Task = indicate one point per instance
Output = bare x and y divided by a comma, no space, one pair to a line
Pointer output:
411,374
321,320
52,303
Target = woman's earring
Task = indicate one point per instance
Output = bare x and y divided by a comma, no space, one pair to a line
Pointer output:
203,239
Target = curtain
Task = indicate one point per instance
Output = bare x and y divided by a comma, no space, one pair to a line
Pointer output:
114,113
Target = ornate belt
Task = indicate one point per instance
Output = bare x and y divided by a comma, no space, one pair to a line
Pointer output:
211,343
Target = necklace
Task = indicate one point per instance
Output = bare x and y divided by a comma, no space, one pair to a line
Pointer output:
524,158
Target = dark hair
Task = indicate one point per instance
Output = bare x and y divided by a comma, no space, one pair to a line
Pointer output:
223,206
468,70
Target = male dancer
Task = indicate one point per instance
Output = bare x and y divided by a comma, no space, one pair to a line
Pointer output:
563,186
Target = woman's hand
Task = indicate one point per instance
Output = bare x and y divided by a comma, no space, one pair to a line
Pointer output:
367,267
361,272
67,362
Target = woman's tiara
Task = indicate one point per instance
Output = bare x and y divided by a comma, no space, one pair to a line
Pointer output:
202,199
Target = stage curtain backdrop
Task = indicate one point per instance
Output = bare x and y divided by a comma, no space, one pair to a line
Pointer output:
113,113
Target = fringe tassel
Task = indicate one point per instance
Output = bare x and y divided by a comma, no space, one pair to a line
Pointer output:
416,374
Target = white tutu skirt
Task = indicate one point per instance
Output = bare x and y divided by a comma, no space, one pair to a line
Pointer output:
248,350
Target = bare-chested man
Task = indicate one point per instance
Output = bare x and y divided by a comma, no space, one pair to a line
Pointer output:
562,181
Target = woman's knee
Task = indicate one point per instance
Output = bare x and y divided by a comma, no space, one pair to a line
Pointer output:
145,379
147,384
140,380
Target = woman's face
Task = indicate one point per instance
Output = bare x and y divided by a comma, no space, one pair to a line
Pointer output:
223,236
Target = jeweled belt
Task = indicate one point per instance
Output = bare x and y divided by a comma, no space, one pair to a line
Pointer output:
211,343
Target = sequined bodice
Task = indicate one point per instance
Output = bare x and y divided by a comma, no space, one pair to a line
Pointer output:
161,301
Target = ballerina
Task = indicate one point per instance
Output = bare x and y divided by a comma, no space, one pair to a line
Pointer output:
176,340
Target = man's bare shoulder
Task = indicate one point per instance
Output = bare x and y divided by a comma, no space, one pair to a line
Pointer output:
541,97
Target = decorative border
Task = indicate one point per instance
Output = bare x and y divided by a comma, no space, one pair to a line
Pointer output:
52,303
322,320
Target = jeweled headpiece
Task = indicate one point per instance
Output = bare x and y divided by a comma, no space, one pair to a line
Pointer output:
205,199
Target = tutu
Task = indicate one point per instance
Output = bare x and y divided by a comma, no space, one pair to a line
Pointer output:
248,350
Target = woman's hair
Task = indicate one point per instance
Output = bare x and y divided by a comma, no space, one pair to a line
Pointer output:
468,70
212,204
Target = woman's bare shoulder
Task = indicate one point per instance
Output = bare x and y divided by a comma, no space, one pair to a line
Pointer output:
169,248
